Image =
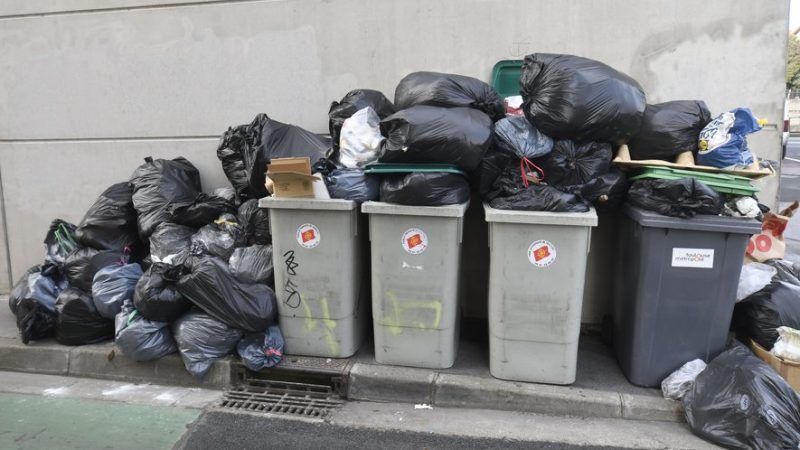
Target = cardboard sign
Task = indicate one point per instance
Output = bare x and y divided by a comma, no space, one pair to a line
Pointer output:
769,244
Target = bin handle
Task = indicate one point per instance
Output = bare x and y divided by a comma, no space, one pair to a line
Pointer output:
589,240
460,229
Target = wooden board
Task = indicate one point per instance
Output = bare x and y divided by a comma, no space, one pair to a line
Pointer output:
685,161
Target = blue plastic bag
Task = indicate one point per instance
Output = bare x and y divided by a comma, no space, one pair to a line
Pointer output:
261,350
722,142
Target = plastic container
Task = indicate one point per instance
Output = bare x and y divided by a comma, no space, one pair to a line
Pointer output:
505,77
416,253
675,290
321,280
536,277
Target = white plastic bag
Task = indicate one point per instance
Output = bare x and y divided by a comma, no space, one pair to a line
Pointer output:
678,383
753,278
788,344
360,140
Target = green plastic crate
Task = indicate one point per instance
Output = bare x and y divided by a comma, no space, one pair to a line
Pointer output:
378,168
720,182
505,77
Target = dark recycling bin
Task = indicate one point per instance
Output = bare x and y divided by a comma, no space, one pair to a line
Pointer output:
675,290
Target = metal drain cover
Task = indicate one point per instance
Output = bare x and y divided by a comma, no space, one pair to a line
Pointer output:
268,396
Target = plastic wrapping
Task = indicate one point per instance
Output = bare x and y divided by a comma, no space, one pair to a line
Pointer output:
226,193
170,243
722,142
605,192
572,164
758,316
156,296
669,129
427,134
787,346
684,197
201,340
541,198
753,278
425,189
516,136
34,321
361,139
82,265
355,101
678,383
569,97
261,350
740,402
255,223
112,286
218,238
212,286
253,264
448,90
140,339
110,223
202,211
787,271
33,299
60,242
353,184
77,320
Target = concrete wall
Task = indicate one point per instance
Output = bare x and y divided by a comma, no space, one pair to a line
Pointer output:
89,87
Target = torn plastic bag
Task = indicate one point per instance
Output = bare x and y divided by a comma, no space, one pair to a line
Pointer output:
202,340
361,139
83,264
227,193
740,402
541,198
34,321
218,238
605,192
261,350
110,224
448,91
571,164
425,189
77,320
114,285
156,296
246,150
427,134
753,278
355,101
159,184
170,243
253,264
60,242
212,286
518,137
140,339
353,184
202,211
669,129
254,222
758,316
684,197
787,271
722,142
676,385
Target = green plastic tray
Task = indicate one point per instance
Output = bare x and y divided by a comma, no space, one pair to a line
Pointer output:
505,77
377,168
720,182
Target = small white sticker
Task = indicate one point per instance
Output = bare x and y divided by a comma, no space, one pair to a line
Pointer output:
415,241
307,235
702,258
542,253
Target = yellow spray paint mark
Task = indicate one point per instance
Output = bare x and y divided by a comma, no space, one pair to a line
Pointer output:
328,324
400,309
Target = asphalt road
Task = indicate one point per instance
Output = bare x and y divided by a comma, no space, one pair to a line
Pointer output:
790,172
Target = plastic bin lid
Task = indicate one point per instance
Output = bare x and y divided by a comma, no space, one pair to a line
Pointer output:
407,168
585,219
505,77
721,224
405,210
307,203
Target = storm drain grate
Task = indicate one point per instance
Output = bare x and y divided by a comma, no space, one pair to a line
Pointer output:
300,399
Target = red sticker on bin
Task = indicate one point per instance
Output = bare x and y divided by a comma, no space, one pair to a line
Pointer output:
542,253
307,235
414,241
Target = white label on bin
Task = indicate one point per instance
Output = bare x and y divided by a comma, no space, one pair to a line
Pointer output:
307,235
701,258
415,241
542,253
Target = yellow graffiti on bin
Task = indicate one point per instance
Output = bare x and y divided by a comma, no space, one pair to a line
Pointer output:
401,308
327,322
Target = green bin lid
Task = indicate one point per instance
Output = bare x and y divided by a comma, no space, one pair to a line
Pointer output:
505,77
720,182
407,168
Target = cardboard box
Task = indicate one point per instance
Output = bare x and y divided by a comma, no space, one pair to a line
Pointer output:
789,370
291,177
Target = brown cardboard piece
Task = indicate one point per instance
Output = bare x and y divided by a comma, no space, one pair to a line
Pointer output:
291,177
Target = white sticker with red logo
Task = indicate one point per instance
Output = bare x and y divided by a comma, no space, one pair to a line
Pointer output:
700,258
542,253
307,235
415,241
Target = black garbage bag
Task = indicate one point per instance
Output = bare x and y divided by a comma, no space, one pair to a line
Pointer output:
758,316
202,211
493,164
261,350
83,264
212,286
114,285
572,164
110,224
246,150
41,283
218,238
669,129
60,242
740,402
787,271
425,189
140,339
170,243
34,321
569,97
541,198
159,185
448,91
515,135
352,102
605,192
353,184
228,193
20,289
253,264
77,320
202,340
428,134
684,197
255,223
156,297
